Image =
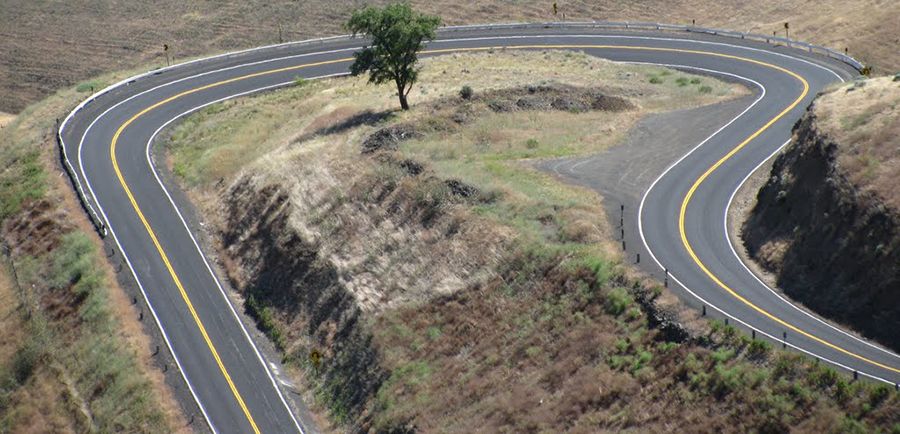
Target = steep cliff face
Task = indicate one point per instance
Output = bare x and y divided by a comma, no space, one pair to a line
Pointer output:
833,245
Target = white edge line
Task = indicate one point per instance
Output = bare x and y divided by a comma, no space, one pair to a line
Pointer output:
157,71
776,294
194,240
161,329
688,290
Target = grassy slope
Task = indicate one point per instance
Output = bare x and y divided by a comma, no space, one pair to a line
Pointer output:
865,119
49,45
83,362
550,339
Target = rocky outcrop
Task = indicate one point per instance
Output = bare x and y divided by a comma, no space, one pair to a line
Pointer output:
832,246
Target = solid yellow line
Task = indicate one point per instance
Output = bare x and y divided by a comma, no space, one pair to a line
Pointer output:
190,305
709,171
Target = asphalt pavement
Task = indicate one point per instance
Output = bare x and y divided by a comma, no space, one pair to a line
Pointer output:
234,383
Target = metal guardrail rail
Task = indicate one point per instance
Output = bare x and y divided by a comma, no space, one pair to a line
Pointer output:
100,225
639,25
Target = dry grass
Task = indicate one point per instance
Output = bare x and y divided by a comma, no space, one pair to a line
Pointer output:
30,400
864,119
5,119
502,312
324,172
100,333
49,45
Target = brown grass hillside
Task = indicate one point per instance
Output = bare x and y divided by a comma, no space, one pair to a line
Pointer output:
449,286
47,45
865,119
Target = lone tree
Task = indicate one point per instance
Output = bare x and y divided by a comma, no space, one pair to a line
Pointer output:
398,33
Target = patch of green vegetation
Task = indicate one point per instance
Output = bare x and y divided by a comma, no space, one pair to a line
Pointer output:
617,301
681,81
23,179
655,80
104,372
705,89
265,320
90,86
83,338
434,332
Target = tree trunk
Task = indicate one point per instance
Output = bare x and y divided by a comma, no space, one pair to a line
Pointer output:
402,95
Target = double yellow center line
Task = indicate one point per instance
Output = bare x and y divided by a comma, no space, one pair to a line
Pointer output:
212,348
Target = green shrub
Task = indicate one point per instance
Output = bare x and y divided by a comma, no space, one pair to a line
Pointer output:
823,376
531,143
682,81
758,348
727,380
695,81
466,92
24,362
655,80
852,426
89,86
265,321
722,355
878,394
705,89
642,359
617,301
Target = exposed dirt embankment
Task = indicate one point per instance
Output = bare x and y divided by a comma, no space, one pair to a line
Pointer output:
318,262
421,276
831,240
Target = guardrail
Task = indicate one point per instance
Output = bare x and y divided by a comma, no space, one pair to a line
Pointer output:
100,225
639,25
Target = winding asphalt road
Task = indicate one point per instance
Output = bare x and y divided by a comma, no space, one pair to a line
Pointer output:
681,218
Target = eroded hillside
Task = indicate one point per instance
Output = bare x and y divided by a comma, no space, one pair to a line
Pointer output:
827,223
420,275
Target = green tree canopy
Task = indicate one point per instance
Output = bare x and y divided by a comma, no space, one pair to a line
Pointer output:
397,34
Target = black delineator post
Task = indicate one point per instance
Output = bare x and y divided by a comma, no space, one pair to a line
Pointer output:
726,320
753,333
855,375
666,279
638,259
784,340
704,310
156,351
